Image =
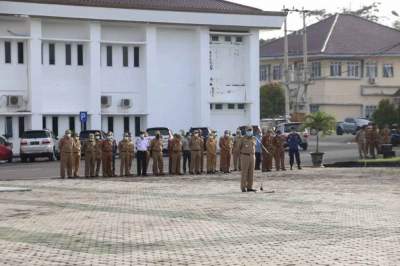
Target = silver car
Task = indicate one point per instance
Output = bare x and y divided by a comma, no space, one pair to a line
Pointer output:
38,143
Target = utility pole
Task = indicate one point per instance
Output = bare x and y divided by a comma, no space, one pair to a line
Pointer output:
305,58
286,68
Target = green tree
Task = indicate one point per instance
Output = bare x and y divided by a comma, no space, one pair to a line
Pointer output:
321,123
385,114
369,12
272,100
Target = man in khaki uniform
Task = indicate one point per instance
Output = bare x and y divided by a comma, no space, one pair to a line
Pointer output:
202,154
385,135
66,149
225,145
176,153
362,142
156,152
236,151
124,155
372,137
196,148
267,154
247,160
99,156
76,155
89,149
131,152
278,143
107,153
211,147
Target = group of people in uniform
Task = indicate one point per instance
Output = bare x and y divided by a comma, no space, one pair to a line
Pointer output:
186,153
370,140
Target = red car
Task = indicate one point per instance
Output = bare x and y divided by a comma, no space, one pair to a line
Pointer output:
6,153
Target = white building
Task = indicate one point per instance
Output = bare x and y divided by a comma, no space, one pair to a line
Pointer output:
129,64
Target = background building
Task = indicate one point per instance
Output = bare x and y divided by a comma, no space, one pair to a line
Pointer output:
129,64
353,64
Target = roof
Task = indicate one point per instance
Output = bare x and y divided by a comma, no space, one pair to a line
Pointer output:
211,6
340,34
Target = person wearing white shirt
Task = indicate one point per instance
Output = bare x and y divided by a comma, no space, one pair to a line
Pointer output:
142,145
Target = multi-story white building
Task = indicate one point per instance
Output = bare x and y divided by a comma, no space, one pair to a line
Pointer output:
129,64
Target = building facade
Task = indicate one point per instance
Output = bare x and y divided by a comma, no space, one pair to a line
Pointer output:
353,64
129,64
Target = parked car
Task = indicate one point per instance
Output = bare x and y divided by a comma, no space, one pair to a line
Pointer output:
255,129
351,125
84,136
38,143
166,135
6,153
205,132
286,128
395,137
339,128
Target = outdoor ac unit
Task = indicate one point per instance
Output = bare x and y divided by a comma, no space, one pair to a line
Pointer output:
106,101
14,101
126,103
371,81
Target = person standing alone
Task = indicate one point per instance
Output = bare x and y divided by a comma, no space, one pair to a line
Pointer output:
294,141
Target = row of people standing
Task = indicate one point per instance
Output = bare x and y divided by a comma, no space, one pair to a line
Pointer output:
370,140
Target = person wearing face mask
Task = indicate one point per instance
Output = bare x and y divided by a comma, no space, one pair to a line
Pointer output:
247,160
89,148
98,150
107,152
236,151
278,143
124,154
268,152
66,146
131,152
196,147
176,153
156,153
225,145
76,155
142,146
211,147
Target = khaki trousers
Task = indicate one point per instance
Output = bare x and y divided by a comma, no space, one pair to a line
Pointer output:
236,160
124,166
107,164
76,157
279,160
266,162
158,164
98,165
176,163
247,163
195,162
211,162
89,165
66,164
225,162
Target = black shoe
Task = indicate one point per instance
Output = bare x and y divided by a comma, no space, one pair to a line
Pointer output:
291,168
299,167
243,190
251,190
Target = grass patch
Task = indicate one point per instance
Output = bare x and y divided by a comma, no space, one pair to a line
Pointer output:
381,160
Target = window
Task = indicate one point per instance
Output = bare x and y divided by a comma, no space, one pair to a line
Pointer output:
9,127
353,69
314,108
265,72
55,125
218,106
72,123
277,72
372,70
7,51
228,38
369,110
336,69
44,122
211,106
239,39
68,54
110,124
125,61
80,54
126,124
214,38
41,52
136,56
388,71
241,106
52,54
109,56
315,70
231,106
21,126
137,126
20,52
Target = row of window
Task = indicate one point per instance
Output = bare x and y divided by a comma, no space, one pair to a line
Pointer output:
8,52
227,38
368,109
229,106
9,126
354,70
125,56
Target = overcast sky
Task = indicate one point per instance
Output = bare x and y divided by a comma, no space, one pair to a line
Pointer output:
295,21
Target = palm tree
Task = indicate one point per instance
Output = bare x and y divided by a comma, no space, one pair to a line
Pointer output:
320,122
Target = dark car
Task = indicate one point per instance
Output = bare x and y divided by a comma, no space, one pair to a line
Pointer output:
6,153
84,136
395,137
205,132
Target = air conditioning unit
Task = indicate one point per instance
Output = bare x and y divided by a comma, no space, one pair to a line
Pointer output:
126,103
371,81
15,101
106,101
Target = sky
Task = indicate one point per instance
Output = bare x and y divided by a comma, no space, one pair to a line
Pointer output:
295,21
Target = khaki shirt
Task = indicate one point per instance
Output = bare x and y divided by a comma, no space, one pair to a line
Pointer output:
267,142
123,146
98,149
211,145
236,144
66,145
107,146
278,143
196,144
176,145
156,145
89,147
77,146
248,145
226,144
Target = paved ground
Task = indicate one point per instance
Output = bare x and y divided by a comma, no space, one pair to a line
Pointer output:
315,217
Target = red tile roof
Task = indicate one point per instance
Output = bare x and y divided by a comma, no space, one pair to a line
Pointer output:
213,6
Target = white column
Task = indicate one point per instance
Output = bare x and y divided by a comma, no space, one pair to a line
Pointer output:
201,96
151,74
253,84
95,72
35,73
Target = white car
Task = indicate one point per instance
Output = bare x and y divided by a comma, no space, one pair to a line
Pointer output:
38,143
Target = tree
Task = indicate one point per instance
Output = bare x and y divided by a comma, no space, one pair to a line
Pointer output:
396,24
272,100
369,12
385,114
320,122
